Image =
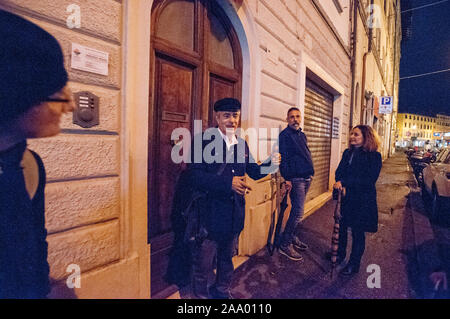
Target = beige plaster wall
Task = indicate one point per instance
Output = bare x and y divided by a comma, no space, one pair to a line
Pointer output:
88,217
286,32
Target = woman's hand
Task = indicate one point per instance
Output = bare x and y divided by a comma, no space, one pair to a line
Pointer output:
338,185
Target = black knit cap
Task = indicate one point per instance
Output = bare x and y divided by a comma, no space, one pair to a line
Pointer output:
31,66
227,105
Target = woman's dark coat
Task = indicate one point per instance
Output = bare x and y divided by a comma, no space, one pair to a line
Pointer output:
359,206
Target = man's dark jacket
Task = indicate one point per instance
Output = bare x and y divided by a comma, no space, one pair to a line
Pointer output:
24,270
295,155
225,208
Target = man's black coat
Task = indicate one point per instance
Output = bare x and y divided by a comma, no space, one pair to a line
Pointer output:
225,208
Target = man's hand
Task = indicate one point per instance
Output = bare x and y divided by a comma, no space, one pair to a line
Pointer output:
239,186
288,186
276,158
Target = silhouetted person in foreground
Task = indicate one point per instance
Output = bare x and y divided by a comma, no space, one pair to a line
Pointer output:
33,96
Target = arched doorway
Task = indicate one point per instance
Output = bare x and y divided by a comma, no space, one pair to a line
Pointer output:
196,59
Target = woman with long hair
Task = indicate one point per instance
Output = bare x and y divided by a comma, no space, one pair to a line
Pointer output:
356,176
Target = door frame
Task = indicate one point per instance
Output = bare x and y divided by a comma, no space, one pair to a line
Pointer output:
308,68
135,113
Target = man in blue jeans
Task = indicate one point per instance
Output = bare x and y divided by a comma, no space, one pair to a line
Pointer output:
297,169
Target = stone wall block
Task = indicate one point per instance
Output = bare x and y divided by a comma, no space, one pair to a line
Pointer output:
88,247
273,24
100,17
274,108
78,203
274,87
66,36
78,156
271,123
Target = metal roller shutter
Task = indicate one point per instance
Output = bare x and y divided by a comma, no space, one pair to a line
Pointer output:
318,128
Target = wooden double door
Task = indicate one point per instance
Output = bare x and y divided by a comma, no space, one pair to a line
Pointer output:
196,59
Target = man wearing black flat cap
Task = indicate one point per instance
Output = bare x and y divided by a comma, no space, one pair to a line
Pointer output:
223,179
33,96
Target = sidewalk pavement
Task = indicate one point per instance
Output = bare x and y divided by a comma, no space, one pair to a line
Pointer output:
404,249
425,239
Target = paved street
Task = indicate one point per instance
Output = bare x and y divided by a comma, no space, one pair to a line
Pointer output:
404,248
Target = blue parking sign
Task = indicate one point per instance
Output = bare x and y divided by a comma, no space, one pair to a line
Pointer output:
386,105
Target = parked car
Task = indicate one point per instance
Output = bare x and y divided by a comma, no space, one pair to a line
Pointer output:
419,160
436,184
409,152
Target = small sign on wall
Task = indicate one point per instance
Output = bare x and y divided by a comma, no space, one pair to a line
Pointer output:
88,59
386,104
335,132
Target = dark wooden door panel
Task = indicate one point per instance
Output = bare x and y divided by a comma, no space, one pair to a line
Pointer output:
218,88
160,256
174,109
189,75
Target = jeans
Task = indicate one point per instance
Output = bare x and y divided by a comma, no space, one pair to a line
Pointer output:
203,261
298,193
358,245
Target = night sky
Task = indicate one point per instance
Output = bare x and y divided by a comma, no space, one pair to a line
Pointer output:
425,48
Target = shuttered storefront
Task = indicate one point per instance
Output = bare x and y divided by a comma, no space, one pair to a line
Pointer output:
318,127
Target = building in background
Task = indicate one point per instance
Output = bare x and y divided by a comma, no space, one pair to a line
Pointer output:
442,132
415,130
161,64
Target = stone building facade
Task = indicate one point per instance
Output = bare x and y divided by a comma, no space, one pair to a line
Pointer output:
377,35
415,130
418,130
104,183
89,218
